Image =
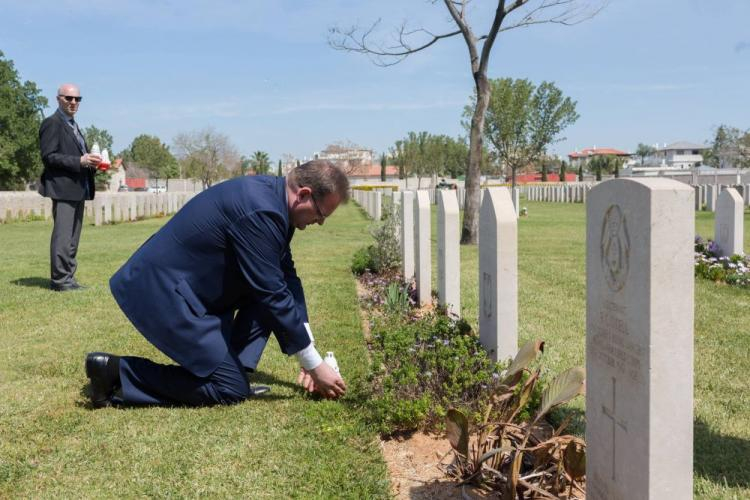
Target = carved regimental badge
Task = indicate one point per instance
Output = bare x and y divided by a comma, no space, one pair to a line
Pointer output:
615,248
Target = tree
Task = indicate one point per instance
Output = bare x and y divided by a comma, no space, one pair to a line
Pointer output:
244,165
382,167
206,155
605,163
261,163
278,171
544,172
580,172
522,120
99,136
644,151
730,148
148,152
21,106
563,171
507,16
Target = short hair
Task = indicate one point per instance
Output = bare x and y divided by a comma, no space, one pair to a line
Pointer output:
322,177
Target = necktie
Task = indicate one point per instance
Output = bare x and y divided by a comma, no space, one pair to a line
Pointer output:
78,135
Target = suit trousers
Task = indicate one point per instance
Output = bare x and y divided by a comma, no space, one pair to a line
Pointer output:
66,232
147,383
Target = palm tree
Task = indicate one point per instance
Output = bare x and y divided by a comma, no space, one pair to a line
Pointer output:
260,162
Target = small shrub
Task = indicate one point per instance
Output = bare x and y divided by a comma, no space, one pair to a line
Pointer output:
424,366
386,253
362,261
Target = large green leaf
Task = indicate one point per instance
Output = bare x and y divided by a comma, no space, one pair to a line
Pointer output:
525,356
457,430
563,388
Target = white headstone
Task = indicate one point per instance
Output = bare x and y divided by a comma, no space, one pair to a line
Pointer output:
423,247
711,195
449,259
377,206
639,340
729,225
407,234
498,274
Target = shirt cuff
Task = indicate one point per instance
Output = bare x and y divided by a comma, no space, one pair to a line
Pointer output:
309,357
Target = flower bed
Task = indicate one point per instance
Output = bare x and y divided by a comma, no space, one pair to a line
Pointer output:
734,270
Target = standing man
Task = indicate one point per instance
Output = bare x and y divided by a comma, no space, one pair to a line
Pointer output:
209,287
68,178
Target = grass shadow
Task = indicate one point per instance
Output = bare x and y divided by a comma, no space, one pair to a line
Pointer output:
721,459
32,282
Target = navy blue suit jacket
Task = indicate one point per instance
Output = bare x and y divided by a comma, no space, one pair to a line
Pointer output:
226,250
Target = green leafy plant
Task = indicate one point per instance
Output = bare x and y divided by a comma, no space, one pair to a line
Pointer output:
385,254
422,366
362,261
396,298
515,457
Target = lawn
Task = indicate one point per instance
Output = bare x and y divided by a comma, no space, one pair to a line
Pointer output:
284,444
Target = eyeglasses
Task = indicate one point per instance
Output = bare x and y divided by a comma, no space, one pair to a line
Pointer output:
71,98
317,209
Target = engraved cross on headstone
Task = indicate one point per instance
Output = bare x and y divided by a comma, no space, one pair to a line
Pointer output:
612,415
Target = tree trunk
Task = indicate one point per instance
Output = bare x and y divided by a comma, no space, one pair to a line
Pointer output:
470,230
512,177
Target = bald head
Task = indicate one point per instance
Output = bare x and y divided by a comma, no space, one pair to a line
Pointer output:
68,98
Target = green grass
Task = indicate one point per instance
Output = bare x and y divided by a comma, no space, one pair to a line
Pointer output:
284,444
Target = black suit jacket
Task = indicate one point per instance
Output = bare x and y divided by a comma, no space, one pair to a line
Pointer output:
64,177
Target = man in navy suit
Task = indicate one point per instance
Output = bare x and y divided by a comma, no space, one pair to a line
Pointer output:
68,178
211,285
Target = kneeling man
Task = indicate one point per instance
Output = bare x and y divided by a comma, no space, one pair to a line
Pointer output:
211,285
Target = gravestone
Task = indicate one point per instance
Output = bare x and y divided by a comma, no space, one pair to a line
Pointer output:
449,260
407,234
711,195
498,274
377,206
639,340
423,247
728,225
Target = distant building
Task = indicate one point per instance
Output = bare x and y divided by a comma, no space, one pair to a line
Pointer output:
680,155
578,158
345,153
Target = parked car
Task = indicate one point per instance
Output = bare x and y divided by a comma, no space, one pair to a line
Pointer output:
123,189
157,189
140,189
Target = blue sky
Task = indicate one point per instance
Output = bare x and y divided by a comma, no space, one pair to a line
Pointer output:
263,74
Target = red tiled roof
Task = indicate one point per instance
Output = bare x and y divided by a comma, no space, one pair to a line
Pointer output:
586,152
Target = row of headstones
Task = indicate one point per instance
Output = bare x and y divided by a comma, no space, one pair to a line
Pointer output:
372,201
706,195
104,208
559,193
639,320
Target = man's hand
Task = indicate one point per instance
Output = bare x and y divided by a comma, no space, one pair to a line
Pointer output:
91,160
323,380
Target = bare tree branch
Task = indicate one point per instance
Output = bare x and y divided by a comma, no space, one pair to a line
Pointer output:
347,40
